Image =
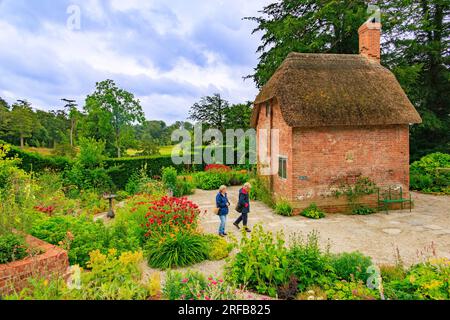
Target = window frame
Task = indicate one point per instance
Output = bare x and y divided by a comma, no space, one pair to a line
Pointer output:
268,109
282,167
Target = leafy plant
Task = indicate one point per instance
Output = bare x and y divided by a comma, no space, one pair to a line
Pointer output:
178,249
112,277
261,263
12,248
211,180
350,290
313,212
194,286
308,263
178,285
351,266
169,178
218,248
363,210
424,281
81,235
260,191
283,208
431,173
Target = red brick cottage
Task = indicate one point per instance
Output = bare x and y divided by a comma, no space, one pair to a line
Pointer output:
339,117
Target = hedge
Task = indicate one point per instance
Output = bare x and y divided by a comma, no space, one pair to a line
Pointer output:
154,165
32,161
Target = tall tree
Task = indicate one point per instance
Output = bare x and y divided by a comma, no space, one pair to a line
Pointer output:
4,117
74,115
112,111
305,26
238,116
210,111
23,121
416,49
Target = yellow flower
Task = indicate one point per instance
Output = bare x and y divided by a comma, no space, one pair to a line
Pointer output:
45,282
112,252
127,258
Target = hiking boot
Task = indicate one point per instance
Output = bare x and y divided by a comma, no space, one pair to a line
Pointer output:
236,225
248,230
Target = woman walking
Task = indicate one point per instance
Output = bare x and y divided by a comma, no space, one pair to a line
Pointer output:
222,204
243,207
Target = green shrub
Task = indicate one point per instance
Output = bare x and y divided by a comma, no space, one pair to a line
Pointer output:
261,263
313,212
424,281
41,289
211,180
351,266
218,248
12,248
179,249
112,276
152,164
391,273
283,208
169,178
35,162
260,191
81,235
353,290
431,173
363,210
308,263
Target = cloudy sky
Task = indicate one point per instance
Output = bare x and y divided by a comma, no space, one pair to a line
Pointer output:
169,53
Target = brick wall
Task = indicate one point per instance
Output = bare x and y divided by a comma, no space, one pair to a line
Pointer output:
282,188
369,40
324,156
52,261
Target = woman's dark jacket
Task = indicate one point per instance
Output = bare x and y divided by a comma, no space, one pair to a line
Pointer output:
222,203
244,201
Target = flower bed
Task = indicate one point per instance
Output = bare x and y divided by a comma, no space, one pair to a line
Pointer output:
53,260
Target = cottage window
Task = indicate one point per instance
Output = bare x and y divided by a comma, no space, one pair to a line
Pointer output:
268,109
282,167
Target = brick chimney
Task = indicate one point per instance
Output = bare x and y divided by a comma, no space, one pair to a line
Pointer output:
369,40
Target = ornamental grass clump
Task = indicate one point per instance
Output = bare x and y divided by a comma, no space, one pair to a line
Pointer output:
178,249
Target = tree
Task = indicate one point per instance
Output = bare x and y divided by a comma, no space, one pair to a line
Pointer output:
416,49
74,115
111,111
4,117
210,111
238,116
305,26
23,121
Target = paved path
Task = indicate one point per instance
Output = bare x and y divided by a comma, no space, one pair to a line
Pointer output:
376,235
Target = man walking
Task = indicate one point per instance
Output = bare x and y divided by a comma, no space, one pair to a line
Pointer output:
243,207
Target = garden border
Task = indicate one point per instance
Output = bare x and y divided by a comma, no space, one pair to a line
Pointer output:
53,261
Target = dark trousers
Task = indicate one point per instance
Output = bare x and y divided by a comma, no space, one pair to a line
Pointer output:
243,218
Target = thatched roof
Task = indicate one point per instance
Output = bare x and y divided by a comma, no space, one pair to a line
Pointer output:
336,89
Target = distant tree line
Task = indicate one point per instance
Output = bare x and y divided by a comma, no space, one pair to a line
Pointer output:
112,116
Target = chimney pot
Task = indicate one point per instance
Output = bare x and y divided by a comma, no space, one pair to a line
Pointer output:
370,40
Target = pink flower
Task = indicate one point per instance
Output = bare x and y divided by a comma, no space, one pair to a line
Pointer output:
185,280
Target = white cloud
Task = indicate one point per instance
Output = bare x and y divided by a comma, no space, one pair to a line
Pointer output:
66,63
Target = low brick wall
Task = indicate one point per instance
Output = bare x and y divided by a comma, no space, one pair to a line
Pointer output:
52,261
